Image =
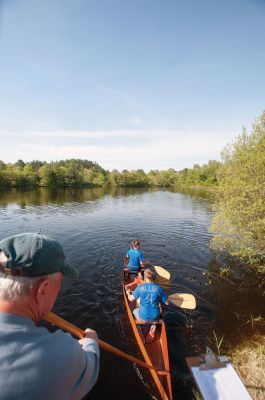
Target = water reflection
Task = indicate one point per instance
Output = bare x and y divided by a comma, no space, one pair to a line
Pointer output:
203,192
41,196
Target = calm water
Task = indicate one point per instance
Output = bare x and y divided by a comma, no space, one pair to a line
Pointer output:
95,229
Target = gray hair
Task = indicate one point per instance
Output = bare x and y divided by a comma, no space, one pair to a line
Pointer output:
15,287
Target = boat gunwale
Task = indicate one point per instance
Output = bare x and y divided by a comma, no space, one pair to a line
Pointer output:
165,393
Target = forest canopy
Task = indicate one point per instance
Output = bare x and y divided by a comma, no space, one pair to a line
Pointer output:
84,173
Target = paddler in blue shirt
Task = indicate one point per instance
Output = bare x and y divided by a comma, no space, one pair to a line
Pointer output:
151,297
134,259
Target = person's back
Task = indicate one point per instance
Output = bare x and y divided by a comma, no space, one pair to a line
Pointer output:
151,296
35,364
135,258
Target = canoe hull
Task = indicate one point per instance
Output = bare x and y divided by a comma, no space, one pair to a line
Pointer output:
154,353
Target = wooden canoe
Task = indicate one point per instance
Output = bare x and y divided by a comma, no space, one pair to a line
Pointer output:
154,353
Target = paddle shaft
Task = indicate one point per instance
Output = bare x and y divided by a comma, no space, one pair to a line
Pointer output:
67,326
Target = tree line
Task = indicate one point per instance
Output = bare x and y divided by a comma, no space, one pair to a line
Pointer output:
84,173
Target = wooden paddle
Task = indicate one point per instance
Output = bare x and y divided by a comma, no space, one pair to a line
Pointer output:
159,270
183,300
162,272
74,330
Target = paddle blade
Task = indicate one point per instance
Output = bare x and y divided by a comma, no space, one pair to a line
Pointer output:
162,272
183,300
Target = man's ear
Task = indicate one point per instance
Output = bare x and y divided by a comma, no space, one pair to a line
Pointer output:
3,260
40,289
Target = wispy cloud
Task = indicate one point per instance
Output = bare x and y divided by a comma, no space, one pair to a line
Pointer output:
134,103
160,149
82,134
136,119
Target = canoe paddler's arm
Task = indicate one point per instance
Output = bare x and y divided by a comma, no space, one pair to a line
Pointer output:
129,295
89,368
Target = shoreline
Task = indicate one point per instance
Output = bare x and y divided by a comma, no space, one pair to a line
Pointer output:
248,360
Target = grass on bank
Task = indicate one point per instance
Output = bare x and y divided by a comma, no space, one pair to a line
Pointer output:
244,343
248,360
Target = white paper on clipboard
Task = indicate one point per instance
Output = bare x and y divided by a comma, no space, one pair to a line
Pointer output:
220,384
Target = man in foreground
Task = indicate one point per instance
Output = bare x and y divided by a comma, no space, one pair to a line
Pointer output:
34,363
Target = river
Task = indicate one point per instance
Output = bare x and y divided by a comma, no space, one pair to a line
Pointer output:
95,228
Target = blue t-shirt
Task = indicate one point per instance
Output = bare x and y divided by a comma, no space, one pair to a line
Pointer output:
150,296
135,259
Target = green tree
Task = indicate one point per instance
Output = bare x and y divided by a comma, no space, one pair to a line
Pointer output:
115,178
20,164
36,164
47,175
88,176
166,178
30,175
3,181
11,173
99,179
2,166
239,222
210,171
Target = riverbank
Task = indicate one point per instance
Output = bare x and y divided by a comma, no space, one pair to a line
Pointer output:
249,361
238,299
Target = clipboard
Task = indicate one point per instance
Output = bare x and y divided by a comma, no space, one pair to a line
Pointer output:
217,383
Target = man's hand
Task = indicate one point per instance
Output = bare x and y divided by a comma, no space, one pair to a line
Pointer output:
90,334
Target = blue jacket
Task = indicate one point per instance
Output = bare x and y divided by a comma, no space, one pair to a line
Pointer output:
37,364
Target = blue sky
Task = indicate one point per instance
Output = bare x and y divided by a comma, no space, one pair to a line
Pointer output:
150,84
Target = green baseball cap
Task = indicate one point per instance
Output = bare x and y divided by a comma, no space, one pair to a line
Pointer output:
34,254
